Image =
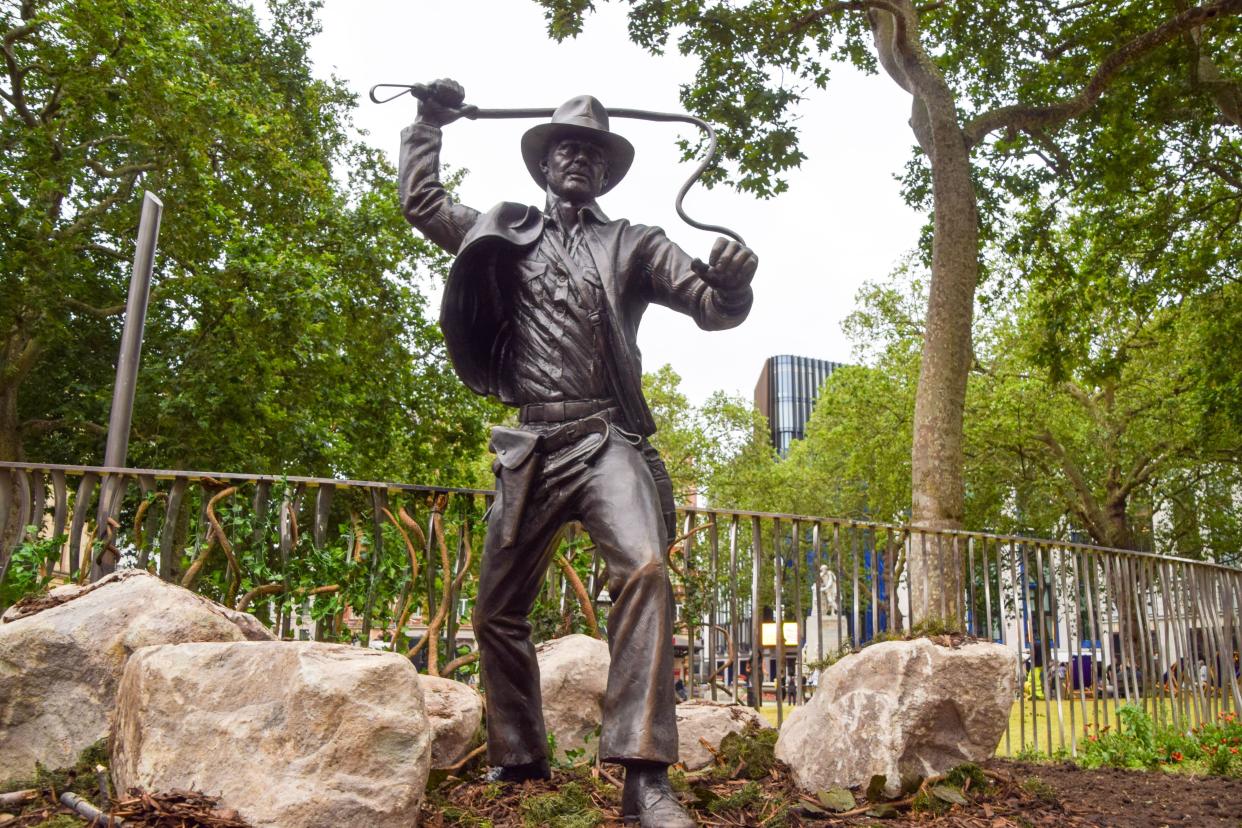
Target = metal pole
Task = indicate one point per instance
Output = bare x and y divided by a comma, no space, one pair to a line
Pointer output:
126,375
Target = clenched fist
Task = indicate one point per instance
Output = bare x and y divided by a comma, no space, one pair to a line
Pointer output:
443,105
731,266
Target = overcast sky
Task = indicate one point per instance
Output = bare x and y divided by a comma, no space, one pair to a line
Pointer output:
841,223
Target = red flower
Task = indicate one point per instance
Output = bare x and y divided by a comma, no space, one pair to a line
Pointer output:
1176,756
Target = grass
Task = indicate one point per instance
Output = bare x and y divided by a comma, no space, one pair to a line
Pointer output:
1028,729
1026,737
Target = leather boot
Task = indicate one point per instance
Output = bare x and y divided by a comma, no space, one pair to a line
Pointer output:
519,773
648,798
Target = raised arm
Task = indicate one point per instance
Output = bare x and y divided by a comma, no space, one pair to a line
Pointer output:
424,201
718,299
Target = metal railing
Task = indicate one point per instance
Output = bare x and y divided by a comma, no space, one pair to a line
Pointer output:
765,601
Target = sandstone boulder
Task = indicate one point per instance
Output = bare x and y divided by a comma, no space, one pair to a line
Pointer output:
703,720
61,657
454,711
573,675
901,709
289,734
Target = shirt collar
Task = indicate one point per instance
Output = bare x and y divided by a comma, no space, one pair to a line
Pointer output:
590,209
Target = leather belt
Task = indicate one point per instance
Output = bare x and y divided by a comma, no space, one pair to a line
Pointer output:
563,410
571,432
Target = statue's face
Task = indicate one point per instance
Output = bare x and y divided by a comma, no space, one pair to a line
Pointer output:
576,169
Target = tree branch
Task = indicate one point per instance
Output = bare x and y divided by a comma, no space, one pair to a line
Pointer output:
1143,469
103,205
21,366
1089,508
1026,117
45,426
119,172
100,313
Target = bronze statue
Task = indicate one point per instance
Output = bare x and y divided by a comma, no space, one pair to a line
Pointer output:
541,310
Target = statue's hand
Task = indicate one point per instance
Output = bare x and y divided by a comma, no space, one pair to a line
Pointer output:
443,105
731,266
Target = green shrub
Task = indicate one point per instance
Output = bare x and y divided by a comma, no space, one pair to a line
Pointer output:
23,577
753,750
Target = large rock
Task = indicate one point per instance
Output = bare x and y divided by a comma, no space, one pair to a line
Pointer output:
289,734
901,709
573,675
62,656
703,720
454,711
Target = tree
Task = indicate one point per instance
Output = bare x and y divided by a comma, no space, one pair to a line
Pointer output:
995,84
715,450
287,329
1123,443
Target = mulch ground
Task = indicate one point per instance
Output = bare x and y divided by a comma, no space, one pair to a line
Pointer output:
1019,795
175,809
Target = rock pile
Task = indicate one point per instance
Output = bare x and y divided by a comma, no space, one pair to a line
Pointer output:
62,657
290,734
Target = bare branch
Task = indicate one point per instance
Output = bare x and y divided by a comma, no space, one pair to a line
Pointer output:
1088,507
1026,117
99,313
88,215
119,172
1143,469
828,10
45,426
103,250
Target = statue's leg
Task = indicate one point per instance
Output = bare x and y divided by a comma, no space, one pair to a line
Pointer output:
509,582
619,506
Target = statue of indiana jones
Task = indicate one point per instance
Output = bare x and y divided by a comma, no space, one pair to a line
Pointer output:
541,310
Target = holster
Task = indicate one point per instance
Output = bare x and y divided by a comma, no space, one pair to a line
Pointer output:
517,462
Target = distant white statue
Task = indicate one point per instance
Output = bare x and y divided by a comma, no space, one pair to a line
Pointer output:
828,590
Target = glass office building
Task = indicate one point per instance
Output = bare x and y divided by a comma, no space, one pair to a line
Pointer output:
786,392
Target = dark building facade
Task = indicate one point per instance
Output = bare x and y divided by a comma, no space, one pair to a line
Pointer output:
786,392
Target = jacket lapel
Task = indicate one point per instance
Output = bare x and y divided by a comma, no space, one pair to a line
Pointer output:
605,256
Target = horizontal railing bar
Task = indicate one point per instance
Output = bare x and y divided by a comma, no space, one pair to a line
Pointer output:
173,474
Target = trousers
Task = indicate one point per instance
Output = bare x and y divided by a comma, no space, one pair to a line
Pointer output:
614,496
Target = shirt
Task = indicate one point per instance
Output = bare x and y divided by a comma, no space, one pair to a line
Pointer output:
554,349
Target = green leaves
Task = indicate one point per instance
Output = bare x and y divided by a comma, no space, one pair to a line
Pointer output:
288,329
837,799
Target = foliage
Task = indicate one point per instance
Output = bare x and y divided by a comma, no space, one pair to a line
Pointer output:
30,566
1212,747
711,449
570,807
752,751
1053,109
1131,427
287,329
80,778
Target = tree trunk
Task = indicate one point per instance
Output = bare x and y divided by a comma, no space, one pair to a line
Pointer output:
936,459
936,454
1118,532
10,425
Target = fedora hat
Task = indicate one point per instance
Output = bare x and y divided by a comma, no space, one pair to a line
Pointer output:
580,117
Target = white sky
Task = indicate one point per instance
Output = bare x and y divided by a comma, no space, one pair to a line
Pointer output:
841,223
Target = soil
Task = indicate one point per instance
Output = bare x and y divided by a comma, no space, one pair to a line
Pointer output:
1020,795
1112,798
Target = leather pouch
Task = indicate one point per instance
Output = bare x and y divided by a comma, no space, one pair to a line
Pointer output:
516,465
